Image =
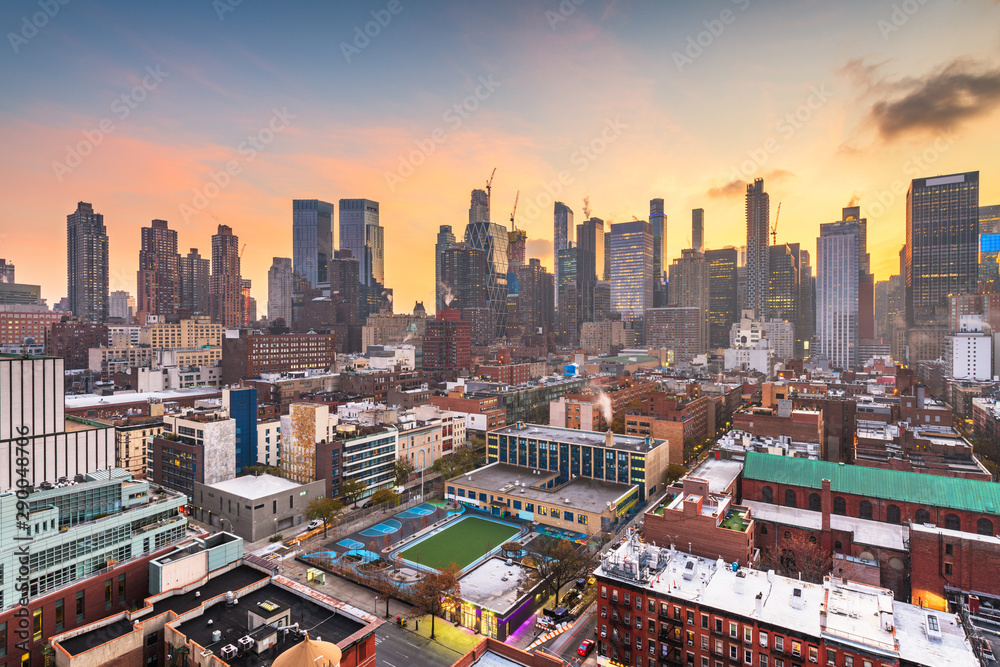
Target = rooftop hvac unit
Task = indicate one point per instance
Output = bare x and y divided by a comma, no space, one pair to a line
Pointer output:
216,636
228,652
246,643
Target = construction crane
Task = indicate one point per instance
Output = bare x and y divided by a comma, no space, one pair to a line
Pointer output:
516,197
242,249
774,227
489,184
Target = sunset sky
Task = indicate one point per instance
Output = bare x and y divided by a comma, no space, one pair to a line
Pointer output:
133,106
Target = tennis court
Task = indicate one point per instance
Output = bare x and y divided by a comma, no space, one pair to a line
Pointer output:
351,544
461,543
385,528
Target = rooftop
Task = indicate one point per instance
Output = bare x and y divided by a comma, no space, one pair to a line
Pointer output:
493,585
719,473
869,533
234,580
913,487
580,437
252,487
584,493
102,635
81,401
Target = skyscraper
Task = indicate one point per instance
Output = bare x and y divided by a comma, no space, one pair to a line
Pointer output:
698,228
463,269
837,271
361,233
87,264
562,236
493,239
989,219
590,264
248,304
658,223
690,288
517,242
225,285
758,255
195,271
721,294
806,327
6,271
445,239
535,298
568,293
942,242
479,207
120,306
631,269
159,271
312,239
279,290
784,286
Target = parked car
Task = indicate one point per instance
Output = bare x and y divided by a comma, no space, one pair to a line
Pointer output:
585,647
314,524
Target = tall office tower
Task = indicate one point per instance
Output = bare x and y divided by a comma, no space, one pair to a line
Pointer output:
493,239
942,242
806,327
248,304
279,290
631,269
345,286
721,294
535,298
562,237
195,278
6,271
463,269
690,287
590,264
517,242
784,284
568,293
607,255
479,208
312,239
658,223
159,271
853,213
837,274
225,284
361,233
698,229
989,219
119,306
758,270
445,240
87,264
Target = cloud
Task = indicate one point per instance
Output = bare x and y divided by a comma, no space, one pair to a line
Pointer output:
738,188
540,248
941,100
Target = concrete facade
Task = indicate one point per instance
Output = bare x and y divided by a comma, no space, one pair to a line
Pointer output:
255,507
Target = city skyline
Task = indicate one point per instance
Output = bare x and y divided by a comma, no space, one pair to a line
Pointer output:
860,137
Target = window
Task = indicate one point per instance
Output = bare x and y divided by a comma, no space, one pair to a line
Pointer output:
36,624
121,588
763,660
734,653
952,522
108,594
60,614
747,635
948,568
628,599
779,643
984,527
949,549
762,640
892,514
152,638
604,592
838,545
3,639
690,617
734,630
840,506
767,494
848,661
815,505
614,595
748,656
638,602
790,500
831,656
274,506
922,516
796,648
788,535
704,621
704,642
718,625
763,529
604,611
866,662
813,654
80,607
865,510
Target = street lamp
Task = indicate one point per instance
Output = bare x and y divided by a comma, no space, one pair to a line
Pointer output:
221,519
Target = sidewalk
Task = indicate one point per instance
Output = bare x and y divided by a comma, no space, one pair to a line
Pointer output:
447,634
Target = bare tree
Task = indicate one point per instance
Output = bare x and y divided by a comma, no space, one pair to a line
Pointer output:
435,592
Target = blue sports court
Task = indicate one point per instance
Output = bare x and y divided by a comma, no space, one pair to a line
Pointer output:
424,509
385,528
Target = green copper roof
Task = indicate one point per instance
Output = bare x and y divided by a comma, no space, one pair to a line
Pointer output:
909,487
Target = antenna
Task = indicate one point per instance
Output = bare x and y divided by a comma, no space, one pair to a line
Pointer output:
516,197
774,227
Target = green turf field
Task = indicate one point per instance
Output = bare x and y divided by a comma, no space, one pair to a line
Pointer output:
460,543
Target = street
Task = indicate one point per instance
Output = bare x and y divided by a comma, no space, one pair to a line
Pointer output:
397,647
564,646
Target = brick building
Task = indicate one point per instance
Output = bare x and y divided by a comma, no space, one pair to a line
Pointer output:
447,346
248,354
72,339
377,384
18,322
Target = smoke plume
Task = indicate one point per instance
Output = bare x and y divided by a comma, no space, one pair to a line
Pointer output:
586,208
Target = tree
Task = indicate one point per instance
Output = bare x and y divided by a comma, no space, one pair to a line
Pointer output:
388,587
674,472
352,490
510,549
799,555
461,460
327,510
403,471
385,496
436,592
558,560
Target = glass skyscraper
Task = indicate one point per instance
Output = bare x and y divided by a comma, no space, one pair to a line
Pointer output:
361,233
658,223
758,256
445,240
312,239
721,294
837,271
631,268
493,238
562,236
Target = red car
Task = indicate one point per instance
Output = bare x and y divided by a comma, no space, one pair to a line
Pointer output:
585,648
